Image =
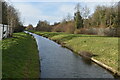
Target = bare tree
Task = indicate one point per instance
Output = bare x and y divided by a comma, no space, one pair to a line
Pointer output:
85,12
69,17
0,12
11,20
14,22
77,7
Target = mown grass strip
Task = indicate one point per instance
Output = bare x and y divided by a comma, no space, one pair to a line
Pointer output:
20,57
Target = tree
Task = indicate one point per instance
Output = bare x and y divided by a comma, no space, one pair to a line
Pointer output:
43,26
77,18
10,16
105,16
4,13
68,17
14,22
0,12
30,27
85,12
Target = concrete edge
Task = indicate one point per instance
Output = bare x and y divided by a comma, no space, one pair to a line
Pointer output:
115,72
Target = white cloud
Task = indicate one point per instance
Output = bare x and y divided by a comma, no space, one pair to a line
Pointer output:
67,9
28,9
31,14
52,19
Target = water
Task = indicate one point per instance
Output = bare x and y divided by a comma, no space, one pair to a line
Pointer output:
59,62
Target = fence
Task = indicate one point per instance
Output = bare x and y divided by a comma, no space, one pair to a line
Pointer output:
4,31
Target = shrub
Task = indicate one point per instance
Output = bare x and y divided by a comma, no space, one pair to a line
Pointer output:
109,31
83,31
64,27
70,28
58,28
92,31
101,31
118,32
77,31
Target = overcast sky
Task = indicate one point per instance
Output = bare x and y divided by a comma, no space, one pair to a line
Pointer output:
51,10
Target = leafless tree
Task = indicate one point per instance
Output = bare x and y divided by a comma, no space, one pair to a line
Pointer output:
85,12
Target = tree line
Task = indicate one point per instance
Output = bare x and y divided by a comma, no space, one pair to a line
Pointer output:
11,17
104,21
105,16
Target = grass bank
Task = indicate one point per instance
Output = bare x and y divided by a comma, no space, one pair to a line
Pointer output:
20,57
106,48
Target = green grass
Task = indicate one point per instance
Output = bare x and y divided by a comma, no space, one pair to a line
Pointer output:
105,47
20,57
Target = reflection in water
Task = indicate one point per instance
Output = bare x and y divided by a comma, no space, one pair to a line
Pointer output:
59,62
88,62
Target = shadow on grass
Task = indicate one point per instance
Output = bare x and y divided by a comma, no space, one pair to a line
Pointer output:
20,58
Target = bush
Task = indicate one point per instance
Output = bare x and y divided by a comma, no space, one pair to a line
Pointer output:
101,31
70,28
109,31
64,27
83,31
57,28
92,31
77,31
118,32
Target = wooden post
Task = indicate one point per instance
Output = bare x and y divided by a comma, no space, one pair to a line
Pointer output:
7,31
3,31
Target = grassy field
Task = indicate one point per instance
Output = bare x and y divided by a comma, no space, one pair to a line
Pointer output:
20,57
106,48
